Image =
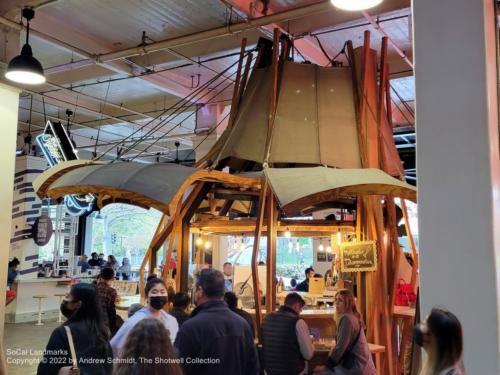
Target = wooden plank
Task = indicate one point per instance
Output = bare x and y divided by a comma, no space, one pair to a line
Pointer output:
272,215
255,269
248,225
274,96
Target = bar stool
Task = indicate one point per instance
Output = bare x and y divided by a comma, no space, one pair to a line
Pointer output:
40,297
61,296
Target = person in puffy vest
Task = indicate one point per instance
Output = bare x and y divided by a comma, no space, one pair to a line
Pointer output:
286,344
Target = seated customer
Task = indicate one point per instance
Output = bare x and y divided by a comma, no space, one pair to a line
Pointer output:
84,264
351,354
304,285
232,303
180,306
106,297
286,344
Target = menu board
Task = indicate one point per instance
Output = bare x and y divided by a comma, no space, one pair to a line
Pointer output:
358,256
125,288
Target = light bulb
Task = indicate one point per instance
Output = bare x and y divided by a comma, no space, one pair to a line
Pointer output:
328,249
321,248
288,234
208,245
353,5
199,241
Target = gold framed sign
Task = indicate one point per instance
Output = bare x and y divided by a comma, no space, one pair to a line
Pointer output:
358,256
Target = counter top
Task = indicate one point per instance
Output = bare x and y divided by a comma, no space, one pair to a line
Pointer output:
43,280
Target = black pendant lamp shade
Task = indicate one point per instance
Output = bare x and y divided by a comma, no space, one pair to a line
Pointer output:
24,68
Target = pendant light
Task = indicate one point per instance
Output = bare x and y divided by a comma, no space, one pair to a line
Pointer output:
24,68
353,5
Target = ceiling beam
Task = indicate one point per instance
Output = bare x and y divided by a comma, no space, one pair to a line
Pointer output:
306,45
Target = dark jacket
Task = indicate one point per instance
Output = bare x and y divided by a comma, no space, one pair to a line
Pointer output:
303,286
216,341
280,346
247,317
180,315
106,297
93,360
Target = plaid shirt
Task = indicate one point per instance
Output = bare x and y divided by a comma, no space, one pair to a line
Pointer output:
106,296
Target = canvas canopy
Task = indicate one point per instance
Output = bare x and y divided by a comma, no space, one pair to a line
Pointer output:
148,185
300,188
315,118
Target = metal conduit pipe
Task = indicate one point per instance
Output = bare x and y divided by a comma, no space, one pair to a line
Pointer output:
287,15
394,45
320,7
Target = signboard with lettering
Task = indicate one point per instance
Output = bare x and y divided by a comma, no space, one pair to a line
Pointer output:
358,256
57,147
42,230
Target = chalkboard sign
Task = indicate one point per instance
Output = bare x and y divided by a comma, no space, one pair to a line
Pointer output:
358,256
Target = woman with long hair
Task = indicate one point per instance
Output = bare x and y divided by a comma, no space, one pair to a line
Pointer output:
148,351
441,337
156,294
351,355
89,335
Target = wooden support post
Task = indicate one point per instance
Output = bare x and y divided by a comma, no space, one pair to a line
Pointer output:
271,252
255,269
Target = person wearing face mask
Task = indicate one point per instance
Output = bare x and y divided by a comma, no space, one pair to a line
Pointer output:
214,340
156,294
90,336
441,337
351,355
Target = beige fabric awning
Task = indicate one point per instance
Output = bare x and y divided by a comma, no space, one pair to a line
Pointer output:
299,188
315,118
147,185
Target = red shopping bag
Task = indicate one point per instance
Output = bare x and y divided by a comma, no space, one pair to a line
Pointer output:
405,296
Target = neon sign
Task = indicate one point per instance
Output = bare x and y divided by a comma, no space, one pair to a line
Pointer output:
57,147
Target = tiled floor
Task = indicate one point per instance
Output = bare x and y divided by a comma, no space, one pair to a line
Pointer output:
22,344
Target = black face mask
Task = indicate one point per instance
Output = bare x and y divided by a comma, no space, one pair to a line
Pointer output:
157,302
67,312
418,335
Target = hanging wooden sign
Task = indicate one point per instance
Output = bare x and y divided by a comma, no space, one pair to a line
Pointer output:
358,256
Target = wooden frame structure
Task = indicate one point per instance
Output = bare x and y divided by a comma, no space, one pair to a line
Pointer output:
220,191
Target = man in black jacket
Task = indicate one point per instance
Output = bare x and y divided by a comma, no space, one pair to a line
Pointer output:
232,302
215,340
304,285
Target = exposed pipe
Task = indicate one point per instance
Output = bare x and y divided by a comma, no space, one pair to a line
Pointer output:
308,10
376,25
320,7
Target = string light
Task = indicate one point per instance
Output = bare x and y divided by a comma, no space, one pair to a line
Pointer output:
199,241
